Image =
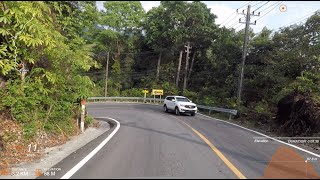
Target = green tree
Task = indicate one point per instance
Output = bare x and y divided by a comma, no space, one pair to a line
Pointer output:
45,38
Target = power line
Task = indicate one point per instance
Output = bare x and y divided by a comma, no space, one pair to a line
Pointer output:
227,18
233,25
245,5
233,13
231,20
236,22
270,6
236,16
238,26
103,72
146,52
261,6
257,4
270,10
296,21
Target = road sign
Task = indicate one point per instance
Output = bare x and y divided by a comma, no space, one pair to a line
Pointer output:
145,91
157,92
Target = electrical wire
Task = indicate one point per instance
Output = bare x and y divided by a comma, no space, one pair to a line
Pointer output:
296,21
257,4
270,6
227,18
232,15
270,10
238,26
237,22
261,6
146,52
245,5
231,19
244,16
233,25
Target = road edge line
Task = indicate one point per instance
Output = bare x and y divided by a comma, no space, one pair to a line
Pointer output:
299,148
93,152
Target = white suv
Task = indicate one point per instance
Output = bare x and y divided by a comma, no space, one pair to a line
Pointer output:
180,104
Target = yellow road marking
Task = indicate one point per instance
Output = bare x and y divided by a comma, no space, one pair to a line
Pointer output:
222,157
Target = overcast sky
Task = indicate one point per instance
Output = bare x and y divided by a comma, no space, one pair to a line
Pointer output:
273,18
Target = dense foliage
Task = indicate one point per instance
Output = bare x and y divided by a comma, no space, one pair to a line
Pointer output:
45,39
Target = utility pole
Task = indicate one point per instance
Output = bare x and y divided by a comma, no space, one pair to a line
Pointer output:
107,67
178,70
158,66
186,68
244,52
23,71
191,65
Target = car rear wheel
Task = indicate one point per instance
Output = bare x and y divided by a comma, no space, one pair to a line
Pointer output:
165,108
177,112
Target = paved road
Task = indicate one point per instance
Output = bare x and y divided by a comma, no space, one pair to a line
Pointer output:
152,143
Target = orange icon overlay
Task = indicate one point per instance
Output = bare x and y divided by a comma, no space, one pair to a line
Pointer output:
38,172
5,172
286,163
283,8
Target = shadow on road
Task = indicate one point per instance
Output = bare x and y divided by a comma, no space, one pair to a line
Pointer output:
165,133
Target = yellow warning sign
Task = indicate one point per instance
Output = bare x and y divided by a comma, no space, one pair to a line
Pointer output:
157,92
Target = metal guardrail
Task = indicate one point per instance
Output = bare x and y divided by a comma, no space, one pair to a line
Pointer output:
123,99
229,111
157,100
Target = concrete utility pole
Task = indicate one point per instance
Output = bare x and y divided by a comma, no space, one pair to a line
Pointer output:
158,66
178,70
83,114
186,68
23,71
191,65
244,52
106,86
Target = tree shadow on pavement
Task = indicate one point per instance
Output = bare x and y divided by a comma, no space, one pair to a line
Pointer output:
165,133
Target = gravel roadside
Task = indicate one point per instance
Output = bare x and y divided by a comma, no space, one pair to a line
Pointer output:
55,154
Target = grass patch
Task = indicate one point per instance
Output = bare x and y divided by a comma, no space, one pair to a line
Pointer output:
88,121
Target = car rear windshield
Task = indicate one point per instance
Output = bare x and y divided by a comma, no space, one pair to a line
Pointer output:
182,99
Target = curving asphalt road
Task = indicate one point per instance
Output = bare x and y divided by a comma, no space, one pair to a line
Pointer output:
153,144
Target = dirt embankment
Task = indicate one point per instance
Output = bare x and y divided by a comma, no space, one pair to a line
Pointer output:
15,149
298,115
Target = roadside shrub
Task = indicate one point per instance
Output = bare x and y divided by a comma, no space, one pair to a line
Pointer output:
44,106
169,89
307,82
88,121
191,95
231,102
261,107
134,92
29,130
208,101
